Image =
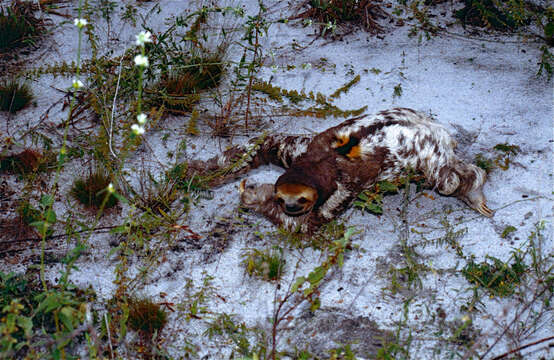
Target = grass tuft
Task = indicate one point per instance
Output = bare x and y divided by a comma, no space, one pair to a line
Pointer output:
26,162
179,91
14,96
146,317
267,265
345,13
18,26
91,191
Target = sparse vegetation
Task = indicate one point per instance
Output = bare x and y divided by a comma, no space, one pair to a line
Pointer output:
26,162
489,13
92,191
18,25
27,309
329,14
14,96
499,278
146,317
267,265
505,154
214,70
180,90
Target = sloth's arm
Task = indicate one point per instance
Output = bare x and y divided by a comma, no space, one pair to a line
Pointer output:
238,160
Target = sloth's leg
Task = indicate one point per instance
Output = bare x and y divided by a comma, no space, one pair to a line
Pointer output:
465,181
238,160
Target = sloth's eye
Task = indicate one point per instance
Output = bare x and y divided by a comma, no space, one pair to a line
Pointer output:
302,200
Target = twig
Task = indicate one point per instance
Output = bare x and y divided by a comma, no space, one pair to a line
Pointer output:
109,336
113,109
250,83
84,327
516,318
58,235
523,347
42,118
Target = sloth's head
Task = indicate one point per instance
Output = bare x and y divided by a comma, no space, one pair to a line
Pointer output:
295,199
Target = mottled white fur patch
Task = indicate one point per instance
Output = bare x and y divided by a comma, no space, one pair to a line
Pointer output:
292,152
410,146
335,201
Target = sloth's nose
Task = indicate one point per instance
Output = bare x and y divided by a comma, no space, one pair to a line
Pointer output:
293,208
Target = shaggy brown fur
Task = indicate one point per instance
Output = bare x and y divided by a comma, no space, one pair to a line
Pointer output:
325,173
341,161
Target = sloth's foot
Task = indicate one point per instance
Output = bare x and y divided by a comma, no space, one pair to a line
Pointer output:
477,201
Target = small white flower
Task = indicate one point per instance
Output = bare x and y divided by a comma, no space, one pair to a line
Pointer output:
111,189
137,129
80,22
306,66
307,22
143,37
328,26
141,60
77,84
141,118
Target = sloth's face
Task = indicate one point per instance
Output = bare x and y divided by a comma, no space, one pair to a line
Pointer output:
295,199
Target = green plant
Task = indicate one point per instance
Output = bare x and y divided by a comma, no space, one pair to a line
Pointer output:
29,214
146,316
344,89
372,199
156,196
26,310
268,265
506,152
507,231
92,191
484,163
397,91
499,278
18,26
342,353
42,218
505,16
14,327
322,107
16,302
502,160
399,347
14,96
546,61
240,335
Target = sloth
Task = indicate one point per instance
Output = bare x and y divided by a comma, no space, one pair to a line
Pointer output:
324,174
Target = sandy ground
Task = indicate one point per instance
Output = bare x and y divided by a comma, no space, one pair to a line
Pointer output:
484,90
